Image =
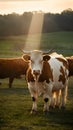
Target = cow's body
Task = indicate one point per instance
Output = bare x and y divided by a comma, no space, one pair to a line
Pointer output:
70,62
12,68
70,68
46,75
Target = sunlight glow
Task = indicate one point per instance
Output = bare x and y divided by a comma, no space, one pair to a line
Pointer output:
35,26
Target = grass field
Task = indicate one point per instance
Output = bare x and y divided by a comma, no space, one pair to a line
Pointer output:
15,103
60,41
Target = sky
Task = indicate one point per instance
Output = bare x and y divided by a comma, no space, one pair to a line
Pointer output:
20,6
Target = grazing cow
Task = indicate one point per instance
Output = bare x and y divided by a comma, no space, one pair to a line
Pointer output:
13,68
70,62
47,74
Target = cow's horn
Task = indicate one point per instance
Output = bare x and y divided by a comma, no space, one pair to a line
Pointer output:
26,52
48,51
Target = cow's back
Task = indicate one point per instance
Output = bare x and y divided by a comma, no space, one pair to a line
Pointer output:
12,67
59,68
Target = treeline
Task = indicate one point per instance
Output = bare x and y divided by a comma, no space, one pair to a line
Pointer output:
15,24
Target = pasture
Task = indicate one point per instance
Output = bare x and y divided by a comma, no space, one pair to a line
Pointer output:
15,103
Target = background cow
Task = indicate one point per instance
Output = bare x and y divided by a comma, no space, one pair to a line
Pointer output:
70,62
12,68
47,74
70,68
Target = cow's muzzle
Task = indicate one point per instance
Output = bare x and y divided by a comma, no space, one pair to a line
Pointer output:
36,72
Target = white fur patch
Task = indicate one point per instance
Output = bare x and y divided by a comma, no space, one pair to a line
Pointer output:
38,88
56,65
36,61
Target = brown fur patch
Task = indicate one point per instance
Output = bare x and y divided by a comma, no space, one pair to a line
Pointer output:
70,62
62,76
12,67
65,63
46,73
29,76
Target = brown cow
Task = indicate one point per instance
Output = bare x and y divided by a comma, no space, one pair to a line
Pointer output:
70,62
12,68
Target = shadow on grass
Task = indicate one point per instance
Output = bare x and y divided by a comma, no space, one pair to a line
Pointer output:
56,118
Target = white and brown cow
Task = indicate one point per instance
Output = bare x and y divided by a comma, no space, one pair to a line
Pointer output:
47,74
70,68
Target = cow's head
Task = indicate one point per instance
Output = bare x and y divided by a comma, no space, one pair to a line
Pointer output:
36,59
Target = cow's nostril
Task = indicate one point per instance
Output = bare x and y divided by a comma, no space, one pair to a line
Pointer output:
36,72
39,71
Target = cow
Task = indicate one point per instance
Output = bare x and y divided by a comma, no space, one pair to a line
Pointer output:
46,74
70,68
70,62
13,68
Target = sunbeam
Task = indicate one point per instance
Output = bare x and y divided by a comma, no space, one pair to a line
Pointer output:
35,31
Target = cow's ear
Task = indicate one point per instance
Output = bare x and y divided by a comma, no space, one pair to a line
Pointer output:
46,57
26,57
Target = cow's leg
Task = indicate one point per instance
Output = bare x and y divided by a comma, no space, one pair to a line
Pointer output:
46,105
34,95
10,81
0,83
63,97
57,99
48,95
52,102
34,106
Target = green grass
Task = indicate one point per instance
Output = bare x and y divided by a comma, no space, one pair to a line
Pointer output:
60,40
63,41
15,107
15,103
